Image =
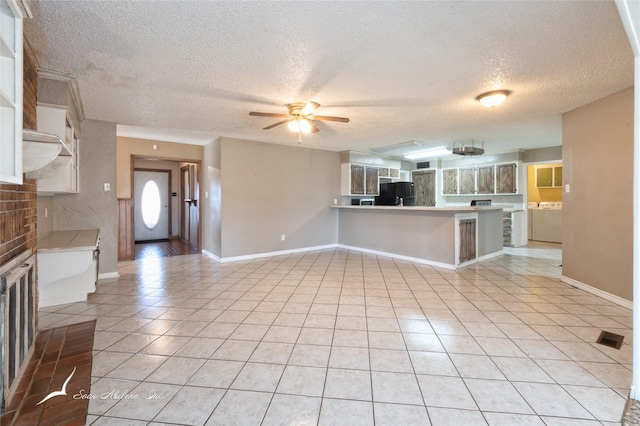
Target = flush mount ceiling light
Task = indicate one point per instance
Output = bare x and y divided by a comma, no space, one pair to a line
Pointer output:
429,153
468,150
493,98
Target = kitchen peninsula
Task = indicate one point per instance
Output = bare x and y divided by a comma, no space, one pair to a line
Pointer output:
448,237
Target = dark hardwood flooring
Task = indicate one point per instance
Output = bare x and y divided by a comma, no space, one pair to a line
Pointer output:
169,248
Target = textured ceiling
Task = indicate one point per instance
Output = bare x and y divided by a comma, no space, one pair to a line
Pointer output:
401,71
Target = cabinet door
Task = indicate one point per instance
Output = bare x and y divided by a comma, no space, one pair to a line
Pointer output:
383,171
372,187
468,181
425,188
357,179
544,177
394,173
11,54
450,181
467,240
486,179
507,178
557,176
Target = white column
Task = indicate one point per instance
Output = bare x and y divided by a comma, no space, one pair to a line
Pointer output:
629,11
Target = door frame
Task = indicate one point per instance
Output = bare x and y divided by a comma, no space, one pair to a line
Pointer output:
126,237
133,199
193,197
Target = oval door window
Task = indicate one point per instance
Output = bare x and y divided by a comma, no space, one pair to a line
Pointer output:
150,204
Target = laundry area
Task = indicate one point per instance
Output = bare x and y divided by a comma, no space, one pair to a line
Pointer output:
545,203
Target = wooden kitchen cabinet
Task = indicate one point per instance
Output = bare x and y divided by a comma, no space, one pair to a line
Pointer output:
388,172
449,181
11,57
359,179
424,187
486,179
371,187
507,178
467,181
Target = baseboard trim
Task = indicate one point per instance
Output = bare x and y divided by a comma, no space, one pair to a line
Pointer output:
400,257
597,292
211,255
108,275
274,253
347,247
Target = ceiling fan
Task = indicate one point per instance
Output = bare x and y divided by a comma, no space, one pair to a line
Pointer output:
300,117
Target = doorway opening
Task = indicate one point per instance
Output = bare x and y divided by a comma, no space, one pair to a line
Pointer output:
152,210
162,216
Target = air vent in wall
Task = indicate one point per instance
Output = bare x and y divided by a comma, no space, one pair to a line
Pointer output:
423,165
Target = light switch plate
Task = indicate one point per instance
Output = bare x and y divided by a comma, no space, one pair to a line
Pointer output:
107,187
567,188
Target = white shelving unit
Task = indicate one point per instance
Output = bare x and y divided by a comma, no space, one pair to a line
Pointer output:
11,56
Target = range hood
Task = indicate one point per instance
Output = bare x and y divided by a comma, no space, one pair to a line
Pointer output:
43,153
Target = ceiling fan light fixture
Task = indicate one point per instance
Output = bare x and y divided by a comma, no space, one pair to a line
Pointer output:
309,108
300,125
493,98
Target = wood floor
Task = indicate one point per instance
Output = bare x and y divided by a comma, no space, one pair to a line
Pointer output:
163,249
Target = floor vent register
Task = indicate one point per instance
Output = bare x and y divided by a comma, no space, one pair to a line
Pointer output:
610,339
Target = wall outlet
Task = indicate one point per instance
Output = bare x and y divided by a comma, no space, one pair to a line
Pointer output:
283,237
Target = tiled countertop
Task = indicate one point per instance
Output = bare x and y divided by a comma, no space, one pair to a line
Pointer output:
70,240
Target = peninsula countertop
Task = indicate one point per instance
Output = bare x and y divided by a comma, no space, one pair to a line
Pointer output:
85,239
421,208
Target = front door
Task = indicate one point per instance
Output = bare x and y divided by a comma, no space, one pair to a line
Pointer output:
151,205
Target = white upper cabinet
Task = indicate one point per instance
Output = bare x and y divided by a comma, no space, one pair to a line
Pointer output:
11,55
62,179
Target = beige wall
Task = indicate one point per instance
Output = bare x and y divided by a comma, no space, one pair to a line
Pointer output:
268,190
538,195
143,147
93,207
597,152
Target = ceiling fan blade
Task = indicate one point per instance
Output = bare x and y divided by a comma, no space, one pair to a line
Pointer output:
276,124
314,129
268,114
328,118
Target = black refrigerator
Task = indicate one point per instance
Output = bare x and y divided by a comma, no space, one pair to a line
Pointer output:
395,194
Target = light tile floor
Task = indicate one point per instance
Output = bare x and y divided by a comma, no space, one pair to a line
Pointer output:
345,338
